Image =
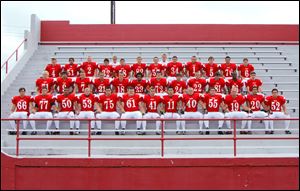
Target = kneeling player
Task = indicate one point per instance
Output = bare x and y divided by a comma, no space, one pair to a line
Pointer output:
190,103
108,109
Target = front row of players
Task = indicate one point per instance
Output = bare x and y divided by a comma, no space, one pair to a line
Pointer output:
151,106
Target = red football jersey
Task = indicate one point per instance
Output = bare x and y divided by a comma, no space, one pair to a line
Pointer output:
82,83
178,86
63,83
251,83
109,103
89,68
126,69
234,83
100,85
152,102
107,70
131,103
54,71
246,70
159,85
227,69
87,102
174,68
255,101
191,102
139,68
217,84
171,103
234,104
21,103
72,69
197,84
153,68
211,69
66,102
212,102
192,68
120,86
139,86
40,83
43,103
275,103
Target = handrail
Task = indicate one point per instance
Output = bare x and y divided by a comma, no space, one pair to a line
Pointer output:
15,52
162,138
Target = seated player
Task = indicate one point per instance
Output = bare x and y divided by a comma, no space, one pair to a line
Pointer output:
253,81
234,83
217,83
227,68
45,81
211,106
211,68
255,102
120,84
198,83
99,84
108,104
173,68
179,86
131,107
245,70
139,67
63,82
81,83
277,109
66,106
124,68
89,67
140,85
71,68
193,66
172,103
114,62
20,109
106,68
155,67
190,102
85,110
159,83
44,104
233,102
153,106
54,68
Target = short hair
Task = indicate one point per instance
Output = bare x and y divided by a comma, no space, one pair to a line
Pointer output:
155,57
194,56
227,57
245,59
139,57
139,74
218,74
122,59
211,57
22,89
64,72
252,73
174,57
274,90
71,59
130,88
44,88
170,87
106,60
53,58
211,88
254,87
107,88
178,74
158,72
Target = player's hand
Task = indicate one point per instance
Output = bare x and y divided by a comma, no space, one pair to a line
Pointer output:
123,111
286,113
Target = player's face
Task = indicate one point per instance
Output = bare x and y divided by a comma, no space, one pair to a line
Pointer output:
234,75
82,75
197,74
87,91
101,75
212,91
234,91
158,75
155,60
114,58
66,91
121,75
211,61
139,60
53,61
122,62
217,77
190,91
71,61
170,91
64,76
164,57
227,60
108,92
89,59
275,93
178,78
131,92
174,59
139,77
106,63
253,76
22,93
152,91
245,62
44,91
45,75
254,91
194,59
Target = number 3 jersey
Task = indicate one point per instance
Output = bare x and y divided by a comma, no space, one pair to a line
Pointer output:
21,103
66,102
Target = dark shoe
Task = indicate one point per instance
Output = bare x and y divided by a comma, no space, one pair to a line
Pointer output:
228,132
77,132
71,133
12,132
288,132
200,132
267,132
47,133
24,133
116,132
157,133
207,132
249,132
178,133
271,132
220,132
183,132
99,133
33,133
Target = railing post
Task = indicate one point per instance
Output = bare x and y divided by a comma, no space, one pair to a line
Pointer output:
234,137
89,138
6,67
162,138
17,137
17,54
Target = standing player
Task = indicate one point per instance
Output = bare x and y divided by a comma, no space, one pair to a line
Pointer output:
86,104
46,82
155,67
54,69
172,103
89,67
233,103
211,68
66,106
159,83
44,103
179,86
153,106
106,68
123,68
81,83
140,85
193,66
255,102
190,103
100,84
114,62
217,83
253,81
227,68
234,83
131,105
71,68
108,109
245,70
173,68
138,67
20,109
63,82
277,109
198,83
164,60
120,84
211,106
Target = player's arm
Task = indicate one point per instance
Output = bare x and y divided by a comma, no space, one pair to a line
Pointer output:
120,105
180,105
265,107
100,107
97,107
224,107
13,108
284,108
78,108
246,108
142,107
248,90
75,88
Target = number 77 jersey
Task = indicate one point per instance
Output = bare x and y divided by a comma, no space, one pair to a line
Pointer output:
44,102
